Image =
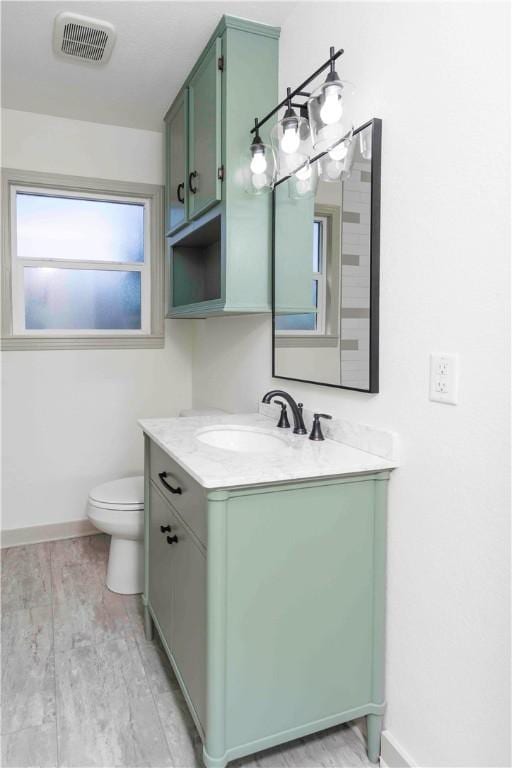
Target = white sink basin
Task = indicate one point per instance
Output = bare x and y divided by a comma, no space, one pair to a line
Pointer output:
241,439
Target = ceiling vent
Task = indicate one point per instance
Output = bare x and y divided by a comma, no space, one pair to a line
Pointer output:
83,38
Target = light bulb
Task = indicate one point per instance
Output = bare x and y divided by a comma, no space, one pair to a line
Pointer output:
303,187
304,173
338,152
259,161
333,169
365,145
332,108
259,180
291,140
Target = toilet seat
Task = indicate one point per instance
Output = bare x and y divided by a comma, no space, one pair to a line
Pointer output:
124,494
116,507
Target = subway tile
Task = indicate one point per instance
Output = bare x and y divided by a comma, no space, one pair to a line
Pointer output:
353,312
348,345
350,259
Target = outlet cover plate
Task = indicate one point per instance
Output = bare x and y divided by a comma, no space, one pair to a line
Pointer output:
444,378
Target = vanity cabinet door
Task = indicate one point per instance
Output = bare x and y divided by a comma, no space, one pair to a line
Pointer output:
176,164
204,184
188,631
160,562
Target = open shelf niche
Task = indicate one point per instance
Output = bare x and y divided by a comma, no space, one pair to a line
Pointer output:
196,265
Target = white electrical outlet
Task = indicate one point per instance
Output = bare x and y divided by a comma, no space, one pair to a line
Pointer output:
444,378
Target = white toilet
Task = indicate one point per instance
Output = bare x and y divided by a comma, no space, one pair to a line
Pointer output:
117,508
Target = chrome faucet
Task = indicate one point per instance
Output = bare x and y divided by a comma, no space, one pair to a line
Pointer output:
296,409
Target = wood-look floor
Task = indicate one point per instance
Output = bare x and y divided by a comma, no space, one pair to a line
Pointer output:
82,687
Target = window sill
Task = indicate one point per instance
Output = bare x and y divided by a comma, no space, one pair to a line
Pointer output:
306,340
40,343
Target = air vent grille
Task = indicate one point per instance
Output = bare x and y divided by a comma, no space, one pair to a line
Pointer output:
86,42
83,38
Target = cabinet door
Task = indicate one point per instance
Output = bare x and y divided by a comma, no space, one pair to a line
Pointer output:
205,188
176,159
188,632
160,562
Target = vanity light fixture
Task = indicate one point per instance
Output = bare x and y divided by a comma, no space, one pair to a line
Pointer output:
336,163
304,182
287,139
261,173
328,119
320,126
258,159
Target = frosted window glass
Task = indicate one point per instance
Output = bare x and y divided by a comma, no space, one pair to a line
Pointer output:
82,230
81,299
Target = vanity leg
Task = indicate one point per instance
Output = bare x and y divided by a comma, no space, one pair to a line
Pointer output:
149,627
374,729
213,762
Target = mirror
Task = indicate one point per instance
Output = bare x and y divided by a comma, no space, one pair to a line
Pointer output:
326,273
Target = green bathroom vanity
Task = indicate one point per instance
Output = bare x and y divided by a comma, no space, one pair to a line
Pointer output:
268,596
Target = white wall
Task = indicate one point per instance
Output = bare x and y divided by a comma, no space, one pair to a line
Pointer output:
438,76
69,417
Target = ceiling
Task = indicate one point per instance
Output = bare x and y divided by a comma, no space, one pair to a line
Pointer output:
157,44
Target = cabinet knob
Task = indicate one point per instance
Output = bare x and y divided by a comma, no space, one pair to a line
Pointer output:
172,539
179,193
191,176
165,528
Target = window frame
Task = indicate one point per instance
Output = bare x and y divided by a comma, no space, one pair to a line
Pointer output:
14,334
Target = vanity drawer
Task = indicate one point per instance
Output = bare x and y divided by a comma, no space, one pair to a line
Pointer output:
191,502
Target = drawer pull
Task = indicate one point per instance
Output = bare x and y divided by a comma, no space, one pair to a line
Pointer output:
162,476
172,539
165,528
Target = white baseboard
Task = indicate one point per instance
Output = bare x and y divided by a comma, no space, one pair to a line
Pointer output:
34,534
393,755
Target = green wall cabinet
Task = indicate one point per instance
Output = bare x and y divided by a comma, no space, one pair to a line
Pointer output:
219,237
269,603
204,147
176,184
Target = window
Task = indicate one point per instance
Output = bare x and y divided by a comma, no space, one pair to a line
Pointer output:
84,263
310,323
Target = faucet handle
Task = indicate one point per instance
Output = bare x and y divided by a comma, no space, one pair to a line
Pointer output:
283,422
316,432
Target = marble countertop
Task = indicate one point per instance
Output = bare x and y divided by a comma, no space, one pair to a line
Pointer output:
301,459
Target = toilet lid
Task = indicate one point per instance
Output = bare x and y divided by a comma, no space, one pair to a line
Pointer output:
126,493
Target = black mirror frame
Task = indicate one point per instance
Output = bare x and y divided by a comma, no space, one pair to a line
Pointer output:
376,125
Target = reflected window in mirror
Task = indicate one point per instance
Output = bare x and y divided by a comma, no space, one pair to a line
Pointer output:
326,273
310,322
